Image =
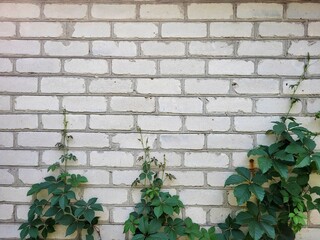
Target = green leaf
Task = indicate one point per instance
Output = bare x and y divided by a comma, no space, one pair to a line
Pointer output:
97,207
63,201
259,151
244,218
265,164
89,237
257,191
33,232
143,225
158,211
304,162
71,229
279,127
255,230
295,148
24,232
268,229
154,226
280,168
78,212
244,172
234,180
51,211
242,193
89,215
66,219
138,237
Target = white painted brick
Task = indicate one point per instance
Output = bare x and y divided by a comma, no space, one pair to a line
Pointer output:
124,177
6,139
208,124
228,104
231,29
260,48
202,197
41,29
134,67
113,11
89,104
49,157
231,67
112,231
18,158
301,48
38,139
7,29
14,194
161,11
314,67
218,215
18,121
184,30
314,217
120,214
18,84
180,105
182,141
66,48
69,11
135,30
172,159
263,139
94,176
114,49
197,214
130,140
111,122
206,160
309,123
240,159
55,121
9,230
303,11
260,10
210,11
314,29
133,104
112,85
182,66
160,123
38,103
111,159
308,86
217,179
313,105
90,66
62,85
256,86
22,212
91,140
211,48
32,176
206,86
230,141
280,67
38,65
19,10
5,65
6,178
5,102
91,29
158,86
19,47
153,48
187,178
107,195
254,123
276,105
307,234
281,29
6,212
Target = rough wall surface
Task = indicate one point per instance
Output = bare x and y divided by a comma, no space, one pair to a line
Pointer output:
203,81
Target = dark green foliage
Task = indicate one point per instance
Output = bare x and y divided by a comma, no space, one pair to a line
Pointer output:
62,205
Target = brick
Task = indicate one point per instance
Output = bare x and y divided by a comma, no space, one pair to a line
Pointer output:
55,121
172,159
229,104
19,47
202,197
254,123
111,122
111,159
32,176
180,105
133,104
303,11
38,139
240,159
22,212
206,86
313,105
6,211
19,10
107,195
217,179
91,30
197,214
112,231
210,48
231,29
14,194
307,234
263,139
5,102
135,30
134,67
68,11
184,30
276,105
38,65
158,86
309,123
230,141
231,67
120,214
113,11
210,11
256,86
111,85
6,139
49,157
300,48
280,67
206,160
314,29
87,66
94,176
18,84
187,178
160,123
218,215
62,85
91,140
88,104
130,140
153,48
124,177
182,141
38,103
260,48
260,10
281,29
314,217
208,124
5,65
66,48
21,121
6,177
18,158
114,49
7,29
41,29
314,67
308,87
182,67
161,11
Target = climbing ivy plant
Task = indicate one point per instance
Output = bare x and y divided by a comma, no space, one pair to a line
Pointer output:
61,206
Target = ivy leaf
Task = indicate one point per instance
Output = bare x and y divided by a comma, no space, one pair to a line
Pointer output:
242,193
158,211
304,162
138,237
264,163
295,148
257,191
255,230
244,172
89,215
66,219
258,151
33,232
280,168
234,180
71,229
244,218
